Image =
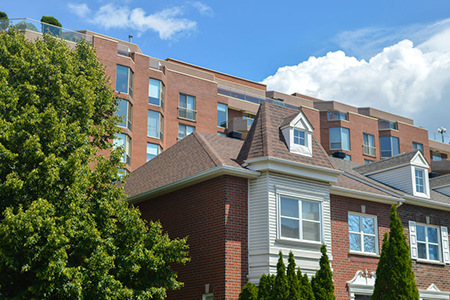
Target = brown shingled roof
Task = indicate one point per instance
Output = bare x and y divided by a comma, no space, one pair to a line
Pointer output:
196,153
387,162
266,139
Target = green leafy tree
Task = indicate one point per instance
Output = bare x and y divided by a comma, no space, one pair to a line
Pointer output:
293,283
4,22
265,288
395,278
3,15
249,292
306,292
281,287
65,230
322,283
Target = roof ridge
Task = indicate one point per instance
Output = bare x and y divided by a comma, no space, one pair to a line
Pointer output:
212,153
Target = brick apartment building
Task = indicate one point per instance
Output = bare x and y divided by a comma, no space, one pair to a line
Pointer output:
162,101
242,201
236,198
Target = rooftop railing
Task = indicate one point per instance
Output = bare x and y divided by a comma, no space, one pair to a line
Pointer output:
250,97
439,137
23,24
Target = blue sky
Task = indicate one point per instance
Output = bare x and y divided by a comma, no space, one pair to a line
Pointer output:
391,55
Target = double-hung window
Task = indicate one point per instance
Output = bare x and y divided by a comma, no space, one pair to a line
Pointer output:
156,92
300,219
125,110
299,137
124,141
186,107
222,115
368,144
389,146
184,130
339,138
155,125
419,181
124,80
362,231
429,242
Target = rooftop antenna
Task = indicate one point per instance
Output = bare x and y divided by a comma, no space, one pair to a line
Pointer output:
130,38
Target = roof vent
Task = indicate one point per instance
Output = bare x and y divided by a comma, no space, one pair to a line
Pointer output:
433,175
339,154
234,135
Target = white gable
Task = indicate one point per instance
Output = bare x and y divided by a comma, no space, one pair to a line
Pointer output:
298,135
419,161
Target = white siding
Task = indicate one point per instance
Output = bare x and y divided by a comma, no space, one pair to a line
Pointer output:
263,244
400,178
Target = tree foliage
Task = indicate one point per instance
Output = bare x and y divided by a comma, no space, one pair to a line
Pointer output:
3,15
293,282
281,286
265,288
51,20
306,292
65,230
249,292
395,278
322,284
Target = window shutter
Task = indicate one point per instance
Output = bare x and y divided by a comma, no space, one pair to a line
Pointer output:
413,239
445,250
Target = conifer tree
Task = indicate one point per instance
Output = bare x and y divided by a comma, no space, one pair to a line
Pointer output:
306,292
322,283
249,292
395,278
293,282
65,230
265,287
280,288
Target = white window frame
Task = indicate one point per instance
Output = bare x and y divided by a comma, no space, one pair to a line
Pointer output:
299,198
425,183
303,140
158,150
362,234
443,245
368,147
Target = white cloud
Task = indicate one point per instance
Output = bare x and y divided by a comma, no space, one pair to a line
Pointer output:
167,23
81,10
402,79
202,8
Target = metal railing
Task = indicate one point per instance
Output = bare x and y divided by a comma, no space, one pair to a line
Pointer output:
187,113
250,97
25,24
385,124
369,150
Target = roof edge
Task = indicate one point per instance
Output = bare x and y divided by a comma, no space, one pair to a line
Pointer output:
340,191
193,179
430,203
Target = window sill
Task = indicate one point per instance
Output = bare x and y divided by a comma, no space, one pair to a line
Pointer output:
299,243
370,155
186,119
430,262
364,254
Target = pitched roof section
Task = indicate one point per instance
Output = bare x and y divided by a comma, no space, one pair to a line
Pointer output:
196,153
265,138
387,162
440,181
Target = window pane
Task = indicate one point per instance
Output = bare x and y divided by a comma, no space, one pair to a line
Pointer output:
181,131
355,242
395,146
353,223
420,233
299,137
432,235
190,102
310,210
182,100
152,150
369,244
122,106
289,228
311,231
433,252
335,138
154,91
289,207
153,124
345,139
419,181
368,225
422,250
122,79
222,115
385,146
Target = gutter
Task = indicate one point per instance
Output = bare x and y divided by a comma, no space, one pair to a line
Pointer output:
340,191
193,179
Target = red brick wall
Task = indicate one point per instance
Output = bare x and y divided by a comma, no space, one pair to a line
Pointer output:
214,216
344,264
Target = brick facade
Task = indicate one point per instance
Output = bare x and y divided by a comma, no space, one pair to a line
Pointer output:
214,216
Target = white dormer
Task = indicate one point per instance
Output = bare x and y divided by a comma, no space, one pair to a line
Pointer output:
297,133
408,173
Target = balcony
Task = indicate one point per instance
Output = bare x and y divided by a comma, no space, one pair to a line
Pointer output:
33,29
385,124
186,113
369,150
439,137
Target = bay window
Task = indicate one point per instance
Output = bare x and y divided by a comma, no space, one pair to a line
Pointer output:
124,80
155,125
156,92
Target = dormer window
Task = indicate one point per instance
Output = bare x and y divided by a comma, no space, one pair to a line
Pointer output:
419,181
297,132
299,137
